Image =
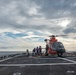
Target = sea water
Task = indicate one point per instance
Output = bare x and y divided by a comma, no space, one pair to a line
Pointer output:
10,52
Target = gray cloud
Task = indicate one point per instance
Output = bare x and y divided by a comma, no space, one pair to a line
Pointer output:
36,18
57,8
71,28
14,11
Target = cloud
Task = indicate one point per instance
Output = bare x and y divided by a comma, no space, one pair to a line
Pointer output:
26,20
71,28
26,14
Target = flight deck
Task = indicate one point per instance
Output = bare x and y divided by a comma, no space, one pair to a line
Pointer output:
39,65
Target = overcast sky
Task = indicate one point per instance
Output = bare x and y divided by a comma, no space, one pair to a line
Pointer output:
24,22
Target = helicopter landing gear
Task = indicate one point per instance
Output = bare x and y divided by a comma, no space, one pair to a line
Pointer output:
46,54
59,54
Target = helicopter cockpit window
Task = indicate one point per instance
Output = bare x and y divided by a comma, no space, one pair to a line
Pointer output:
61,44
57,45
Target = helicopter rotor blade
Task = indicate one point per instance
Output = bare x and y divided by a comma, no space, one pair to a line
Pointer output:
57,35
61,35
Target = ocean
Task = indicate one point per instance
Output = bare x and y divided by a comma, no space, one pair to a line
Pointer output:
2,53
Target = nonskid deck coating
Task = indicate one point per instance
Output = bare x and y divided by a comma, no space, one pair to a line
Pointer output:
33,61
62,67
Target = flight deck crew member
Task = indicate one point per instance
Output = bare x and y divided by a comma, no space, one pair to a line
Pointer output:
40,50
27,52
46,53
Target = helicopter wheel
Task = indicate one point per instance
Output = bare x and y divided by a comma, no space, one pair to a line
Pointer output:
46,54
59,54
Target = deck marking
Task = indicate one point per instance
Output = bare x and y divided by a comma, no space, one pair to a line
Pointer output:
5,59
70,57
17,73
68,60
70,71
8,58
45,64
46,58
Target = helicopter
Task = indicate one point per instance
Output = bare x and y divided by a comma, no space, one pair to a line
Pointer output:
54,47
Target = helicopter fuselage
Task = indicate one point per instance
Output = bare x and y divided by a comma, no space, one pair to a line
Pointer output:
55,47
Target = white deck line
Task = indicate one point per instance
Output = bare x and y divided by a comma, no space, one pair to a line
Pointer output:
71,57
8,58
68,60
45,64
45,58
5,59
